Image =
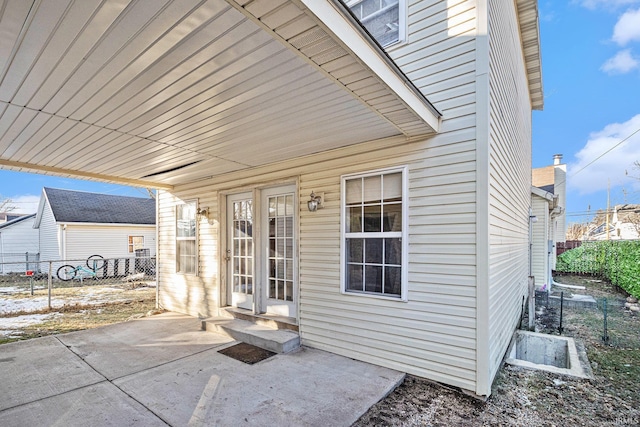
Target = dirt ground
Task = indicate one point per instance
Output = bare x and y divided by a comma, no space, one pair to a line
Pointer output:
523,397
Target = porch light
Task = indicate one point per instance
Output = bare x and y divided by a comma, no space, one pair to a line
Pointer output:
315,202
203,212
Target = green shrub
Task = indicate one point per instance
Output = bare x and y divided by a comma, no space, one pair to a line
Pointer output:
616,261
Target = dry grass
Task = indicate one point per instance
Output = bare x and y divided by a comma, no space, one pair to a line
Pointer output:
534,398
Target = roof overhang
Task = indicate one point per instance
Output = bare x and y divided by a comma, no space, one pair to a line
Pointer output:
528,18
160,93
543,194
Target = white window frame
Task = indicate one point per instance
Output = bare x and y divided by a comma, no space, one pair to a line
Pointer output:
402,21
404,234
188,238
131,245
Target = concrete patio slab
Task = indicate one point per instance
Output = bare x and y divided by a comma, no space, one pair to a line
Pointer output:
97,405
164,370
40,368
304,388
129,347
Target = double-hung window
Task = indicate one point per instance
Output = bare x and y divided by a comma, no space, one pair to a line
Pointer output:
374,224
186,245
135,242
384,19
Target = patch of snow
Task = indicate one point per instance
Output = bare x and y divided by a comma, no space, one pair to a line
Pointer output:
8,325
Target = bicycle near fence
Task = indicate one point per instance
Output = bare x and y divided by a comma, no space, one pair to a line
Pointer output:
93,264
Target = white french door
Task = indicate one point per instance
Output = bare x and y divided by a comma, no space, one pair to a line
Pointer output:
240,249
280,263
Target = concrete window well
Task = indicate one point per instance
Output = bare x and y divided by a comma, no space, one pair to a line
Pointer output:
544,352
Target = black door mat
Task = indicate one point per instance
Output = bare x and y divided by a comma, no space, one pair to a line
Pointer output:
247,353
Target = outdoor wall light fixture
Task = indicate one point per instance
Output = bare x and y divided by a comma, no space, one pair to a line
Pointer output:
315,202
533,218
203,212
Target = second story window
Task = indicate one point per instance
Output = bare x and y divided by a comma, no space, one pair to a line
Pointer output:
384,19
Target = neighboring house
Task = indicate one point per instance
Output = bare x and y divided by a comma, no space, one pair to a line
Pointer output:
17,238
6,217
74,225
548,211
413,252
624,225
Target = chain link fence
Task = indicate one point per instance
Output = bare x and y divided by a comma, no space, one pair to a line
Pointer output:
608,318
29,285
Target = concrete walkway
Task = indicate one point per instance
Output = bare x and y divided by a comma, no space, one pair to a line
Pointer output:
163,370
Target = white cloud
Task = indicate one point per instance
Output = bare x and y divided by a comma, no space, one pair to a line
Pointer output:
25,204
627,28
621,63
617,166
609,4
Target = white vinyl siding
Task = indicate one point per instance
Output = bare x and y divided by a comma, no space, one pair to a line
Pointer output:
108,241
18,238
509,184
540,236
50,235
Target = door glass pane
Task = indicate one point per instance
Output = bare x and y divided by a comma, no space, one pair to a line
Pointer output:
242,247
280,265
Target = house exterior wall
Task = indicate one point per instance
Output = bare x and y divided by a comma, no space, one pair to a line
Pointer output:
50,234
108,241
540,237
560,190
18,238
508,163
464,290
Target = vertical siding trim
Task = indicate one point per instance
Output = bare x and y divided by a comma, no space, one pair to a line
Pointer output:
158,249
483,380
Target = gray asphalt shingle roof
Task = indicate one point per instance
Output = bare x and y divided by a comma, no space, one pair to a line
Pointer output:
79,206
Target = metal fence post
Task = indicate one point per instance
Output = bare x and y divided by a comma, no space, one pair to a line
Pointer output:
50,281
561,305
605,336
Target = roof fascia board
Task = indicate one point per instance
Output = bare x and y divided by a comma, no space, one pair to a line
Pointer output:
28,167
541,193
40,212
352,35
105,224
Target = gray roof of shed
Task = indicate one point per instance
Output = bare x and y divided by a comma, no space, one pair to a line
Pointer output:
79,206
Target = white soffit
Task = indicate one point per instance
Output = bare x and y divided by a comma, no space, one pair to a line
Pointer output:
530,34
164,92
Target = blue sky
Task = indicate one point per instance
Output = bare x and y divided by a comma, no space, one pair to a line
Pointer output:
591,76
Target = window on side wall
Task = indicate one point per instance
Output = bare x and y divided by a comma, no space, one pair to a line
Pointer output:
135,242
374,224
186,245
384,19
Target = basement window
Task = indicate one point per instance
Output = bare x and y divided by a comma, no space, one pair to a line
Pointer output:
384,19
374,241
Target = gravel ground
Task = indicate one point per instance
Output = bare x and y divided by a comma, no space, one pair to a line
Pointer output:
522,397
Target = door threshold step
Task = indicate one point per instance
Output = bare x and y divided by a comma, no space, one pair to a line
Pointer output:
269,320
276,340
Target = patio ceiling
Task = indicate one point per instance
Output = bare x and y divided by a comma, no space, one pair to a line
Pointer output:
159,93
